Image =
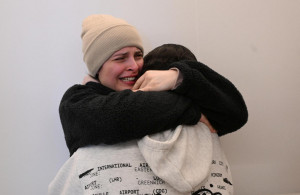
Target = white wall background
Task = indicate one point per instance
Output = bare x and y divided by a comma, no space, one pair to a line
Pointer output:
256,44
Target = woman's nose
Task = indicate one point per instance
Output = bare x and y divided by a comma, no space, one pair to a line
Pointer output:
132,64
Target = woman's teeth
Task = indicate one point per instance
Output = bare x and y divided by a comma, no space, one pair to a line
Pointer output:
128,79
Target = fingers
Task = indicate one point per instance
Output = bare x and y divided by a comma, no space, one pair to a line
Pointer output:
145,89
204,120
156,81
138,83
144,83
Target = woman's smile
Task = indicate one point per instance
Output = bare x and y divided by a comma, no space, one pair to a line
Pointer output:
121,70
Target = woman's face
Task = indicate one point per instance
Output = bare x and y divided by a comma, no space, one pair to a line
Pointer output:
121,70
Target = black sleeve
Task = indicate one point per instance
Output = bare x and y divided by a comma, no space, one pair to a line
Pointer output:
89,116
218,99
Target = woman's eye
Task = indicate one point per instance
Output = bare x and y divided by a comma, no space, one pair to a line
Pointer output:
139,55
121,58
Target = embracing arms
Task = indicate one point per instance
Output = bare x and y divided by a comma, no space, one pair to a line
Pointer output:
218,99
93,114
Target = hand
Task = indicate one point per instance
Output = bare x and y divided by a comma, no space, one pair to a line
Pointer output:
156,80
88,78
204,120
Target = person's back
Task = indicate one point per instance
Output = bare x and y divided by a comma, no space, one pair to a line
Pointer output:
189,158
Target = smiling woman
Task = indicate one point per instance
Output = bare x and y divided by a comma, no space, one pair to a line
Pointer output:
121,70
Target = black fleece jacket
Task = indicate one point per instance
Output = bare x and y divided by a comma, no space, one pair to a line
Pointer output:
94,114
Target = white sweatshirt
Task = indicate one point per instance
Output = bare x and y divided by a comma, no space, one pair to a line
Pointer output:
181,162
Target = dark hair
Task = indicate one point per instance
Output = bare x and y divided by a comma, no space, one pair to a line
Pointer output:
164,55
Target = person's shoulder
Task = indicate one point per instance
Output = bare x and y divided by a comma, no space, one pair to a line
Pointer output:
76,87
88,87
74,90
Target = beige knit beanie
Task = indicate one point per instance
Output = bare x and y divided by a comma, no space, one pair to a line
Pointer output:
103,35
